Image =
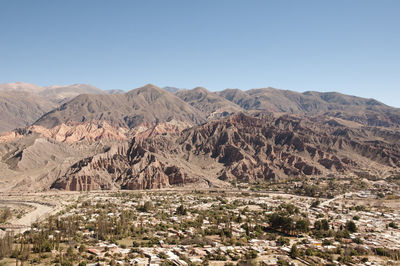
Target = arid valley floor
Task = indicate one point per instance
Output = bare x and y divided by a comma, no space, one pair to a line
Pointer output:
241,225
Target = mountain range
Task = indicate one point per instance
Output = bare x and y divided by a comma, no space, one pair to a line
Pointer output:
79,137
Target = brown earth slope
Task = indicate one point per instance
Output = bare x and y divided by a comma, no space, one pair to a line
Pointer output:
147,104
21,103
210,103
21,108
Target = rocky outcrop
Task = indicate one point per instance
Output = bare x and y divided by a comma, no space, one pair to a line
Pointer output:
147,171
120,166
9,136
100,171
89,131
242,148
147,130
94,131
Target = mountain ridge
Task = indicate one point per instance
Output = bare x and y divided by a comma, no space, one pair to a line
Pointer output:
151,138
204,105
146,104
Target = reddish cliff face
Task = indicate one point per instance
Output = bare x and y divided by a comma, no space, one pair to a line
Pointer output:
252,149
96,172
150,169
241,148
89,131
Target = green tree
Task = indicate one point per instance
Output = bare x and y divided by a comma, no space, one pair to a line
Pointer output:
302,225
181,210
315,203
294,252
325,225
5,214
393,225
351,226
146,207
283,241
82,248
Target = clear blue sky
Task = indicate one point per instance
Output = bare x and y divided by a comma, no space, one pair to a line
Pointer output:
348,46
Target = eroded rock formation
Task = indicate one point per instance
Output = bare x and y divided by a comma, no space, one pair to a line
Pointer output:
241,148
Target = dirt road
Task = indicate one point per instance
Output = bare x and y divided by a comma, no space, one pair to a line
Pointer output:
39,212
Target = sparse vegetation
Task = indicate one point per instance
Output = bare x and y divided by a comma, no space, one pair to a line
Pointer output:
122,226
